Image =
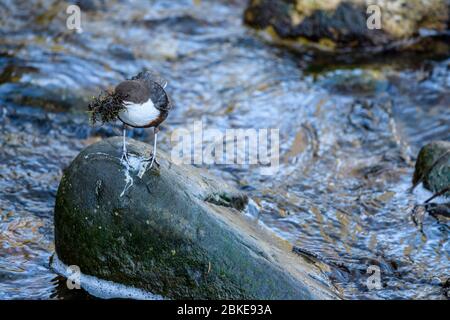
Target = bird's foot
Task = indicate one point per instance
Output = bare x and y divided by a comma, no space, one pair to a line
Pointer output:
152,161
125,158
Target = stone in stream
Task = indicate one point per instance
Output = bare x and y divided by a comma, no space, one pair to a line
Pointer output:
433,167
335,24
177,232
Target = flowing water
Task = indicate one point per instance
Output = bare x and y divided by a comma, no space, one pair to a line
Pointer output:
349,133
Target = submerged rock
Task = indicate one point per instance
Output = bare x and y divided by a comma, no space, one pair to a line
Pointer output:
433,167
175,232
343,23
355,82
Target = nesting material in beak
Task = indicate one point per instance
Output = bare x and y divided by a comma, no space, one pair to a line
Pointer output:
106,107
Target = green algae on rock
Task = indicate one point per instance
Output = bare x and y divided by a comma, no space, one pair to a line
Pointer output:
177,232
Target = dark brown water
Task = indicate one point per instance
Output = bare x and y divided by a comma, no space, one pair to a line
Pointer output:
349,132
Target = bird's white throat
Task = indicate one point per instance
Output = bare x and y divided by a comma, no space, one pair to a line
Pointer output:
139,115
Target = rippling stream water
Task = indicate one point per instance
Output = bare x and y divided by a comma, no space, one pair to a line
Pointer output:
349,133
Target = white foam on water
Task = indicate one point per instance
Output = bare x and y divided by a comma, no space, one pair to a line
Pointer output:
423,195
102,288
252,209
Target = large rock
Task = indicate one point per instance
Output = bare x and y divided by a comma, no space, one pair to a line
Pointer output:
343,23
433,167
176,232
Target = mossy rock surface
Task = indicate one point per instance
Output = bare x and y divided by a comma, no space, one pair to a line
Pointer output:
343,23
433,167
176,232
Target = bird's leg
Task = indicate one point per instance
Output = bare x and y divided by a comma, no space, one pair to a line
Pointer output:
124,146
154,150
152,158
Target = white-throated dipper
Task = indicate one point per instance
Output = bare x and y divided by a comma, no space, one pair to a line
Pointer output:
146,105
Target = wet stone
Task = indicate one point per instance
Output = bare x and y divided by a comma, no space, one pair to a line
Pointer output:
176,232
433,167
344,23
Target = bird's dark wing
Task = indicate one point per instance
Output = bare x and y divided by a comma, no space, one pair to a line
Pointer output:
156,85
159,97
133,91
150,76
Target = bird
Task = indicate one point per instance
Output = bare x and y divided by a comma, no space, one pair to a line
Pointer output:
145,105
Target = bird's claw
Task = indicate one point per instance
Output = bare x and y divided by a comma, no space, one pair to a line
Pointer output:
125,158
152,161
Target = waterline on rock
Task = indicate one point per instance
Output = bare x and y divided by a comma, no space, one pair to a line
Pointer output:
99,288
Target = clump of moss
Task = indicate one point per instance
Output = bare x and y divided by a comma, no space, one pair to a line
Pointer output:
106,107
